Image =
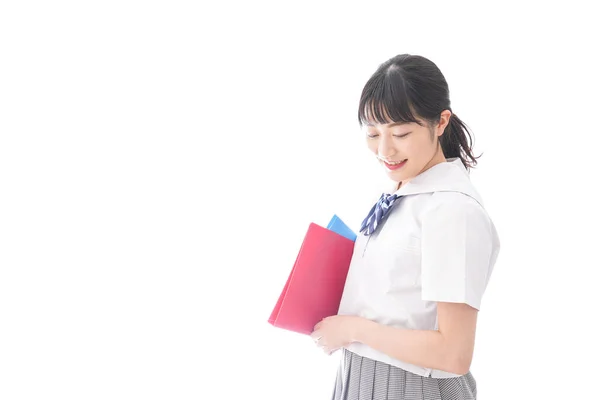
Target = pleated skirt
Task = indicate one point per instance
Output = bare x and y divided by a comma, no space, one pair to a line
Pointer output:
361,378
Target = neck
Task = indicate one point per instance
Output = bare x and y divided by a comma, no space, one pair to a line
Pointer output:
438,157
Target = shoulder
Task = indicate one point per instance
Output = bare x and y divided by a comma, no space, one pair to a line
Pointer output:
455,207
459,220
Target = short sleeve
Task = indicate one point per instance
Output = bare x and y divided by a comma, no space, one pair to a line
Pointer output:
459,245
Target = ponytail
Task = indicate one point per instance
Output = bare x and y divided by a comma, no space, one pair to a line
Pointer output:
456,141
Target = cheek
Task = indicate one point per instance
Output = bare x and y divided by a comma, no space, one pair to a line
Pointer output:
412,149
372,145
420,148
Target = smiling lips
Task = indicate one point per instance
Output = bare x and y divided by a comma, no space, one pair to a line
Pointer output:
394,165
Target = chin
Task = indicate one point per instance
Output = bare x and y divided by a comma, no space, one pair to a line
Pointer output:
396,176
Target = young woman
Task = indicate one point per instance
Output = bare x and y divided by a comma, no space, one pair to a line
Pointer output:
425,252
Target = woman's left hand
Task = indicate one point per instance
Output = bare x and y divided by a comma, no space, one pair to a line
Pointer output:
335,332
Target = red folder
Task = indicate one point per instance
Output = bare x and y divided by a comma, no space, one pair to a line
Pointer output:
315,285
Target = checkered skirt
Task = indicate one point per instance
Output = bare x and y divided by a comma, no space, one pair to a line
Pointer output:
361,378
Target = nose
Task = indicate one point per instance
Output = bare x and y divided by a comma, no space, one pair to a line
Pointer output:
385,148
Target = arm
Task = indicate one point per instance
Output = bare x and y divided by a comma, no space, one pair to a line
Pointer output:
448,349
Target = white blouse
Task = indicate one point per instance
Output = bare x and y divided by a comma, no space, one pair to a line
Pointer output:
436,244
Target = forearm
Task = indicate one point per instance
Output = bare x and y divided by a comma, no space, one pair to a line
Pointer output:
428,349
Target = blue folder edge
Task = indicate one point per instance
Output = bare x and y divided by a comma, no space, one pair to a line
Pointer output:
338,226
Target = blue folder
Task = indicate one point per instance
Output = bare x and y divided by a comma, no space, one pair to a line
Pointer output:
338,226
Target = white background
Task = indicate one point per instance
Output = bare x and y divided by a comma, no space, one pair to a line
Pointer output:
161,161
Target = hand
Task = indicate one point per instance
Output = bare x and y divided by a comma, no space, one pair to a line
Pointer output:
335,332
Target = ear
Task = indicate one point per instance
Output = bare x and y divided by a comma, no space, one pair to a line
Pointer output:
444,121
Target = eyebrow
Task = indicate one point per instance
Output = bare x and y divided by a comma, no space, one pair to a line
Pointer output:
393,124
397,124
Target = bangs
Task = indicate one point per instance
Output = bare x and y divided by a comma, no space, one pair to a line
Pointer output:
385,100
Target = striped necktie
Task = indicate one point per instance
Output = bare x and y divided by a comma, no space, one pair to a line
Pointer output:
377,213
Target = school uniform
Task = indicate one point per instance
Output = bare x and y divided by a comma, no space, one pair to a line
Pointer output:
435,243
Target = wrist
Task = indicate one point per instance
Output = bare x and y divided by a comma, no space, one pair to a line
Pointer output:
361,330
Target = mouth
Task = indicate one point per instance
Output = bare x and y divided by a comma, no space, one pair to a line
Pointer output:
394,165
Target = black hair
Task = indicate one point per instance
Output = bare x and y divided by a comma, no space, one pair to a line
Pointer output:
408,87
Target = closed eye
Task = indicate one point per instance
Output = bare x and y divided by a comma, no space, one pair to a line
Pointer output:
374,135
